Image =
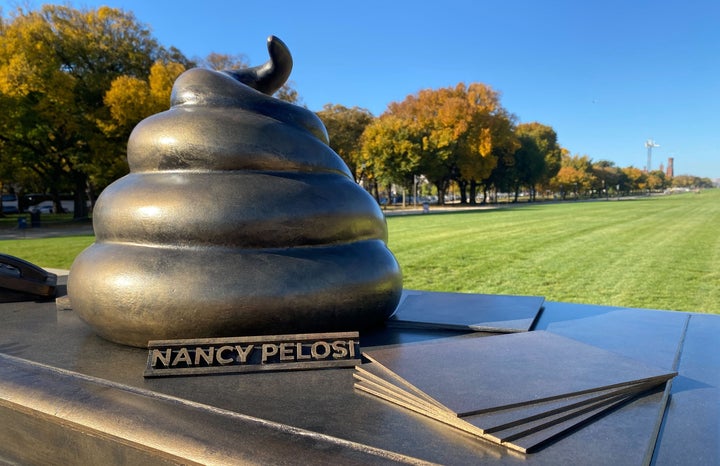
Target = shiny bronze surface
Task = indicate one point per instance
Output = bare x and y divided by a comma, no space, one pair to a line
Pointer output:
236,219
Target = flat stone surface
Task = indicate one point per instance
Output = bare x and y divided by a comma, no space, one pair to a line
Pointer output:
325,402
479,312
180,431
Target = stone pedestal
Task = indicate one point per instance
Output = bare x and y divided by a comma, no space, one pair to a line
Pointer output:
69,397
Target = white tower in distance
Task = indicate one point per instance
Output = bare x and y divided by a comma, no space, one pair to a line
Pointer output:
650,144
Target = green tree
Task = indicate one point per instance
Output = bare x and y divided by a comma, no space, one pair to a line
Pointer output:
607,177
56,65
546,140
345,127
527,165
538,159
391,152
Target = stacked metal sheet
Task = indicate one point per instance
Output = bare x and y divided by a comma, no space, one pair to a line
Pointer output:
519,390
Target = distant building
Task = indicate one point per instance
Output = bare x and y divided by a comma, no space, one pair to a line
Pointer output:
670,169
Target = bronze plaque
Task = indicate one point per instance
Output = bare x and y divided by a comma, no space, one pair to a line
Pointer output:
252,354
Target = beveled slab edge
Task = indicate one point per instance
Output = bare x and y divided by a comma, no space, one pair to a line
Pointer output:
164,427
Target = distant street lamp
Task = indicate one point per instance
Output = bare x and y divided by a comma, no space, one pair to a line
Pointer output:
415,190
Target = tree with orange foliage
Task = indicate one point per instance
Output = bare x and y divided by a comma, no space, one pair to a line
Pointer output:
452,133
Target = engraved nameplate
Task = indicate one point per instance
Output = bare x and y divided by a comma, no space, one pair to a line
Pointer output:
252,354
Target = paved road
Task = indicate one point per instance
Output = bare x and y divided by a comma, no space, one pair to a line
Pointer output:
47,231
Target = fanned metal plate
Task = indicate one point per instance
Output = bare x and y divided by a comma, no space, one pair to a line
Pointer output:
476,375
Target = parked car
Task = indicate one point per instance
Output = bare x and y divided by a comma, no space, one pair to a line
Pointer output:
45,207
10,204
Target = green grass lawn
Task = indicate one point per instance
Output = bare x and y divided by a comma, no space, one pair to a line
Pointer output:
47,252
659,252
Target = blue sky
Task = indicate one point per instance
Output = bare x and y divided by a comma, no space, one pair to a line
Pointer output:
607,76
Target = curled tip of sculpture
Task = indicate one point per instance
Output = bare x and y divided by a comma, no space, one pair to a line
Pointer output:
270,76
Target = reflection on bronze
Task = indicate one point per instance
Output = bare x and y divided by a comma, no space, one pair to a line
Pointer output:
236,219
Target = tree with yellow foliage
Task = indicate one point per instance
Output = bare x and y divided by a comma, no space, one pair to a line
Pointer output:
575,175
636,178
56,65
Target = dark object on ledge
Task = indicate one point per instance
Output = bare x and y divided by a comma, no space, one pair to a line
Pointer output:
22,281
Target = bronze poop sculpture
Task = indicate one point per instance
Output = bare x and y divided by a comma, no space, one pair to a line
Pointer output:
236,219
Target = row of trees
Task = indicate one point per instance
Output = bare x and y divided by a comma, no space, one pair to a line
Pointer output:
73,84
583,176
462,136
459,135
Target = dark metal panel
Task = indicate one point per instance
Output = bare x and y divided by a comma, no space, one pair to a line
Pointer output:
649,336
691,431
464,311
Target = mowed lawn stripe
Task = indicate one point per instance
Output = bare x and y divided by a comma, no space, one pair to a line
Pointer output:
659,252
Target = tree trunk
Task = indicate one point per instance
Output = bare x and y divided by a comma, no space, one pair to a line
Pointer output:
57,204
462,185
80,207
473,192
